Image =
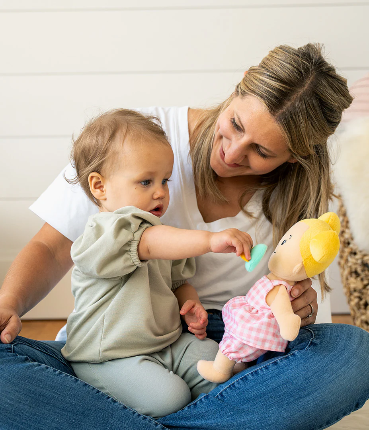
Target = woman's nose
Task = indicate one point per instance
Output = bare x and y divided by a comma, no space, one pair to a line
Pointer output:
235,153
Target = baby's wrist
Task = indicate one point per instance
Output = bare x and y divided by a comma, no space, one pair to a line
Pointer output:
212,237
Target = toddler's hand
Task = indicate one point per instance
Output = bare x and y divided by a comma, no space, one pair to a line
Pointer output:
196,318
231,240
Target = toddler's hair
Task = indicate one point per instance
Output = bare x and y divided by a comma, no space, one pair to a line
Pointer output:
96,147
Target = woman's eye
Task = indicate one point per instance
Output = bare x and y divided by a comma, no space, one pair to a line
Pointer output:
235,125
283,242
146,182
165,181
260,152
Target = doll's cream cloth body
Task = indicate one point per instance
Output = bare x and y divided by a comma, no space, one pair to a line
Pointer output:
250,326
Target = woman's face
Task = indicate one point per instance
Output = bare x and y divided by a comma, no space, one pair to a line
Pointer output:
248,140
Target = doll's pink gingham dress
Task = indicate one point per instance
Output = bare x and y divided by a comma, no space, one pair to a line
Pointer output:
250,326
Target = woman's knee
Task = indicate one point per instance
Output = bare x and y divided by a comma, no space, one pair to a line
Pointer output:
341,336
342,349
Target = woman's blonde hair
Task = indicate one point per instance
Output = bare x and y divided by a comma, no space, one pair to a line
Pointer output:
306,97
95,148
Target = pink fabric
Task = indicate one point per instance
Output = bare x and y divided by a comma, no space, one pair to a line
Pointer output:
250,326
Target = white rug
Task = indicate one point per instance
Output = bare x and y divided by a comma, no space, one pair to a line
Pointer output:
351,175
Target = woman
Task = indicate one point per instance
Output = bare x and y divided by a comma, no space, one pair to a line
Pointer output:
263,150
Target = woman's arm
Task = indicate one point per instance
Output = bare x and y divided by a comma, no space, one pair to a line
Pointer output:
33,274
170,243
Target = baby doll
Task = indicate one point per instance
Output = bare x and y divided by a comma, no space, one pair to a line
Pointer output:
263,319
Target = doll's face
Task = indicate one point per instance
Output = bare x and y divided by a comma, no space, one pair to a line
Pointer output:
286,260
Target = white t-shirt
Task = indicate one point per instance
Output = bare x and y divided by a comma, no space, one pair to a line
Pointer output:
219,277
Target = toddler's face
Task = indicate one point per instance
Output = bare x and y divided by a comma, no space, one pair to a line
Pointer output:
140,177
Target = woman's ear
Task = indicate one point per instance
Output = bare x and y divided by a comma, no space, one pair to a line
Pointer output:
244,73
292,160
97,185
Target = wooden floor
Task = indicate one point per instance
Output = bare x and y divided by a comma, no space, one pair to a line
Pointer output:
47,329
41,329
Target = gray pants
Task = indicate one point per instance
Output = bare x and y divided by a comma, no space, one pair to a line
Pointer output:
156,384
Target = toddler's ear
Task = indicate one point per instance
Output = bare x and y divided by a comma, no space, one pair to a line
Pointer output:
96,183
297,268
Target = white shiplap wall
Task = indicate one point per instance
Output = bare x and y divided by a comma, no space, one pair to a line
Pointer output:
64,61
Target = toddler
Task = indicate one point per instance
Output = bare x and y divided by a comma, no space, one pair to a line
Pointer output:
129,280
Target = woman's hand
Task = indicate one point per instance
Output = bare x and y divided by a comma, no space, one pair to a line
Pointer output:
195,317
305,302
10,324
231,240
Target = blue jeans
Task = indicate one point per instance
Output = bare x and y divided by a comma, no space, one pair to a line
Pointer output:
322,376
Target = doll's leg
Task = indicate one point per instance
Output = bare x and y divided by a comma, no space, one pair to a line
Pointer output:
219,370
231,352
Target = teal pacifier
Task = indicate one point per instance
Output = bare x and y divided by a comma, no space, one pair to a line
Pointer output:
257,253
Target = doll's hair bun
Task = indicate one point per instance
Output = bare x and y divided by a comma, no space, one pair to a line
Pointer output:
324,247
320,243
332,220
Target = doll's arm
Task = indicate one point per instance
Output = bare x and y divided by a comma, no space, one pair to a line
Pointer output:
279,302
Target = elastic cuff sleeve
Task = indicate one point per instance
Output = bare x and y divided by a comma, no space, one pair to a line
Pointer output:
177,284
133,250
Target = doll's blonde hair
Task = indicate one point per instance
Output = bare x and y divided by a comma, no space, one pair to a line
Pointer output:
319,244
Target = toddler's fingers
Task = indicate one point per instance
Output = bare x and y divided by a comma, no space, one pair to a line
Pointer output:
248,244
198,325
187,306
200,334
247,252
202,315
